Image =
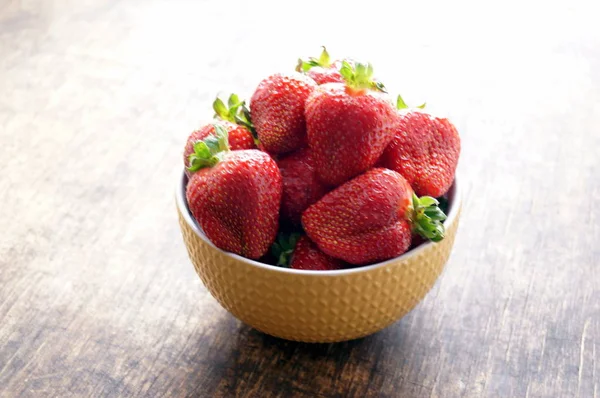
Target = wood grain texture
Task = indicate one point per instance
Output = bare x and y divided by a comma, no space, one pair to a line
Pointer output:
97,296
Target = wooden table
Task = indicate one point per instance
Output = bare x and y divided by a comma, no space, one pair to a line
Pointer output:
97,295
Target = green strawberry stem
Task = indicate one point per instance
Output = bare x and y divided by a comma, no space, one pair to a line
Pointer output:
360,77
323,61
243,119
227,112
211,150
283,248
426,218
400,104
235,112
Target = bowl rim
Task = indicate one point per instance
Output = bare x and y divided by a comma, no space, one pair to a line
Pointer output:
454,205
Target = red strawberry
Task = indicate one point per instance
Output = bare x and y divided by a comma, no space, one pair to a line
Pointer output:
277,108
321,70
425,150
239,138
240,134
349,125
370,218
301,187
299,252
307,256
234,195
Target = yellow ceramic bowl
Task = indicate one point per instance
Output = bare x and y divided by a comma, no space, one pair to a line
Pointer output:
317,306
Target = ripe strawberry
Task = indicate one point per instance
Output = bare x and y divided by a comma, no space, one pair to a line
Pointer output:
277,108
301,187
349,125
240,135
234,195
425,150
240,138
371,217
299,252
321,70
307,256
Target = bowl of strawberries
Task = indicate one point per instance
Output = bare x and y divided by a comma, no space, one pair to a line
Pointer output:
323,211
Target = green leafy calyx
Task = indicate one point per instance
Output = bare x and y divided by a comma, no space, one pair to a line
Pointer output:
360,76
235,111
209,151
400,104
427,218
323,61
283,248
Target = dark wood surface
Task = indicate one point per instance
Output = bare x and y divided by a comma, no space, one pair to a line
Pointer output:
97,296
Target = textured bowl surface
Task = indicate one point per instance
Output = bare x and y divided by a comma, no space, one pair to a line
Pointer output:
317,306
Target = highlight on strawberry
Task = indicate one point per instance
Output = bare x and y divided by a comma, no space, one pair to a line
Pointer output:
321,171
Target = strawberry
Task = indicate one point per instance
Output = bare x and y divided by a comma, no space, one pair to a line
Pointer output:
321,70
425,150
349,125
234,195
307,256
240,136
277,108
301,187
371,217
299,252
